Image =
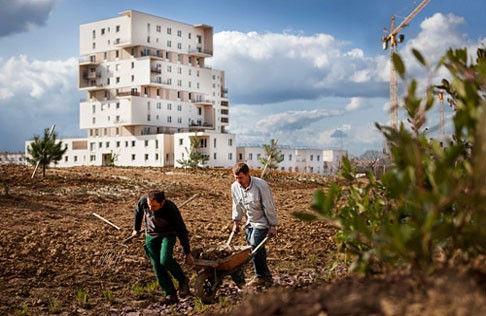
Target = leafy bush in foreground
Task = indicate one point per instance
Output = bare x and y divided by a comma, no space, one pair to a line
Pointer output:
429,209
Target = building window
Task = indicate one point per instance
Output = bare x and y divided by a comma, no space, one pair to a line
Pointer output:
318,157
169,44
250,156
179,107
65,158
146,157
133,143
117,28
158,28
92,157
230,142
133,157
290,157
311,157
169,106
156,156
181,141
118,144
230,156
214,156
169,30
146,143
179,33
75,158
214,143
169,119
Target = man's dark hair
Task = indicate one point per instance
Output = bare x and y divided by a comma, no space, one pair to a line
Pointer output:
241,167
157,195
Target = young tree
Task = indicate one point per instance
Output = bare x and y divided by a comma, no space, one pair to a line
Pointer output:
195,158
44,151
273,156
429,210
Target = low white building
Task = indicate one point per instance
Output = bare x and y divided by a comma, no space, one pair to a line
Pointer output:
12,158
300,160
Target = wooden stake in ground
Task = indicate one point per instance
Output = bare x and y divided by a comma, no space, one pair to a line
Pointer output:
38,162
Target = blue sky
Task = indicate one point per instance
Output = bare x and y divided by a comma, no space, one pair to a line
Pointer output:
301,71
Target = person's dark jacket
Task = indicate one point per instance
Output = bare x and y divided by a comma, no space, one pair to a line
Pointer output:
163,222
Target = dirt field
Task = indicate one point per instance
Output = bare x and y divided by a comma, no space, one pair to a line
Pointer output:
51,250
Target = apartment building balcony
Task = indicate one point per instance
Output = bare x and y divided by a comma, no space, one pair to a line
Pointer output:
91,75
88,60
91,86
203,102
159,82
156,70
122,43
199,52
128,94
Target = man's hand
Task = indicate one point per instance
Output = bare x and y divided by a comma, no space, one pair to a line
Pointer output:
189,259
272,232
236,227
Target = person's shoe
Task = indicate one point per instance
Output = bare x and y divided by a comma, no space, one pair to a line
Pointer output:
261,281
170,299
184,289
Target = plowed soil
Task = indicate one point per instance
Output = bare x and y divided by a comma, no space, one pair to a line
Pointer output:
53,251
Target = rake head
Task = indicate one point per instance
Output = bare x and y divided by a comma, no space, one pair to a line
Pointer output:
111,258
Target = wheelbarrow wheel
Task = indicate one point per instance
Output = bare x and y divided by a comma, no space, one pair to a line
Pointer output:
205,287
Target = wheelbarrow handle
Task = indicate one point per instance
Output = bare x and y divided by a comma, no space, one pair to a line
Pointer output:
260,245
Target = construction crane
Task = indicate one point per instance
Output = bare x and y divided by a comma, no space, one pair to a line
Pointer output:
392,38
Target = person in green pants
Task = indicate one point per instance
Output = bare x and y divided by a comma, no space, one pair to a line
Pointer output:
163,225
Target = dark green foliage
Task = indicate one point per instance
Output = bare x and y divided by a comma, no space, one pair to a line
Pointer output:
45,151
429,210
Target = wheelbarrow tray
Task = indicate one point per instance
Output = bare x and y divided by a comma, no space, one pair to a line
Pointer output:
239,257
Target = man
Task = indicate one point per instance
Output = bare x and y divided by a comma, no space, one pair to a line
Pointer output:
253,198
163,222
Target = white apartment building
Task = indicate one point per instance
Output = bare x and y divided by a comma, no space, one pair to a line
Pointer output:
301,160
146,83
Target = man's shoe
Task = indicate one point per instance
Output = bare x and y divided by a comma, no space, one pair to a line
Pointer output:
184,289
261,281
170,299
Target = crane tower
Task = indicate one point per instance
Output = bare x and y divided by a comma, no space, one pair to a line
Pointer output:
392,38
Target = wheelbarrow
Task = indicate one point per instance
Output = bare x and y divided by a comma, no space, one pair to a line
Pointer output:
212,272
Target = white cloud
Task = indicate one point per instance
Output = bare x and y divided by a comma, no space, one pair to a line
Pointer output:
36,94
270,67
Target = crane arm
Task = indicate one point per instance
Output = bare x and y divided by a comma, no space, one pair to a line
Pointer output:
394,30
410,17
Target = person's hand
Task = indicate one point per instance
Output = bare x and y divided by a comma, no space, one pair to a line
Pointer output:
136,233
272,232
189,259
236,227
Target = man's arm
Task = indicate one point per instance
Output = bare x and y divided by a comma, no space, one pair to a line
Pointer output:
138,217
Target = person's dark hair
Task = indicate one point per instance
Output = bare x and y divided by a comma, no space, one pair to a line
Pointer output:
241,167
157,195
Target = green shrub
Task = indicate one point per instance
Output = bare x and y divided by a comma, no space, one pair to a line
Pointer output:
429,209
